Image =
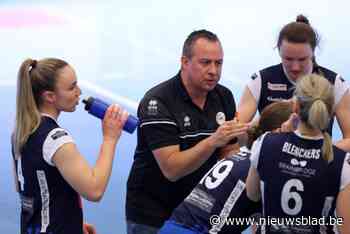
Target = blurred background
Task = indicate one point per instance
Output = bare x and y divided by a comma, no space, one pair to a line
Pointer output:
120,49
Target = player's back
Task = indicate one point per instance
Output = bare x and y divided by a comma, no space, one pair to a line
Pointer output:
296,182
220,193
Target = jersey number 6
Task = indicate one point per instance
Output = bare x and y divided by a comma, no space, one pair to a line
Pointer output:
287,196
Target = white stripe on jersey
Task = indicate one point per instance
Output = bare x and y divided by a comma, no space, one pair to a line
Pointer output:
255,151
262,189
45,200
20,176
229,204
157,122
197,134
345,173
325,212
327,205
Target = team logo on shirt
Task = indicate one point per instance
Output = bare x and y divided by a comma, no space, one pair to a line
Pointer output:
152,107
59,134
187,121
220,118
254,76
276,87
296,162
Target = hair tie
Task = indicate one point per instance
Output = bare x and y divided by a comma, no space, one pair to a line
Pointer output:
33,65
317,99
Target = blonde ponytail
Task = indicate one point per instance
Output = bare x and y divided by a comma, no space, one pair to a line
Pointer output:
316,98
27,113
34,77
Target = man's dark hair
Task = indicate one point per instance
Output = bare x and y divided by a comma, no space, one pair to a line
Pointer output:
193,37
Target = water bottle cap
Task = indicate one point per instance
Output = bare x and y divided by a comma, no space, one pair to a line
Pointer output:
88,102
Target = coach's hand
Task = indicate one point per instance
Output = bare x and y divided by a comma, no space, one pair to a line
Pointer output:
227,131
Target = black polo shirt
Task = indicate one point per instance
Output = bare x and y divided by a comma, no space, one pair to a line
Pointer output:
169,117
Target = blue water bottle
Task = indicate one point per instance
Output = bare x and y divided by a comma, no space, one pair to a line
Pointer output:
98,108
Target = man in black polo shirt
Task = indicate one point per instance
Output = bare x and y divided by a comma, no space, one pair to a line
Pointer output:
184,121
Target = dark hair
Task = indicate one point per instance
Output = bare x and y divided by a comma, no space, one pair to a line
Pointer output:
271,118
193,37
299,31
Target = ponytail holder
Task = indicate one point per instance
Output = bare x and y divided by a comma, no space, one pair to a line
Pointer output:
33,65
317,99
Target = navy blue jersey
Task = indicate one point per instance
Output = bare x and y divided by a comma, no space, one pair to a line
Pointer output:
48,203
221,192
296,181
271,84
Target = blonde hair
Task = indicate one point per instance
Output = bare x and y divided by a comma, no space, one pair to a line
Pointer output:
34,77
315,95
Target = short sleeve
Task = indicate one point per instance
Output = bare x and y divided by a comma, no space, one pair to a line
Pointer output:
255,151
340,88
158,126
54,140
254,86
345,174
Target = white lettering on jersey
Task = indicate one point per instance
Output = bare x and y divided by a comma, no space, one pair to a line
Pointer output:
301,152
276,87
45,200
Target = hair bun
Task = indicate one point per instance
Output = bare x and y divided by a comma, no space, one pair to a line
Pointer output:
33,63
302,19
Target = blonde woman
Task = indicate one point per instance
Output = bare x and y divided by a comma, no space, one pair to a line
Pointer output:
51,174
301,174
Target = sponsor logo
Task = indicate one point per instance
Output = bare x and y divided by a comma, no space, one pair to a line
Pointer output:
187,121
59,134
296,170
275,99
201,199
276,87
301,152
152,108
27,204
296,162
